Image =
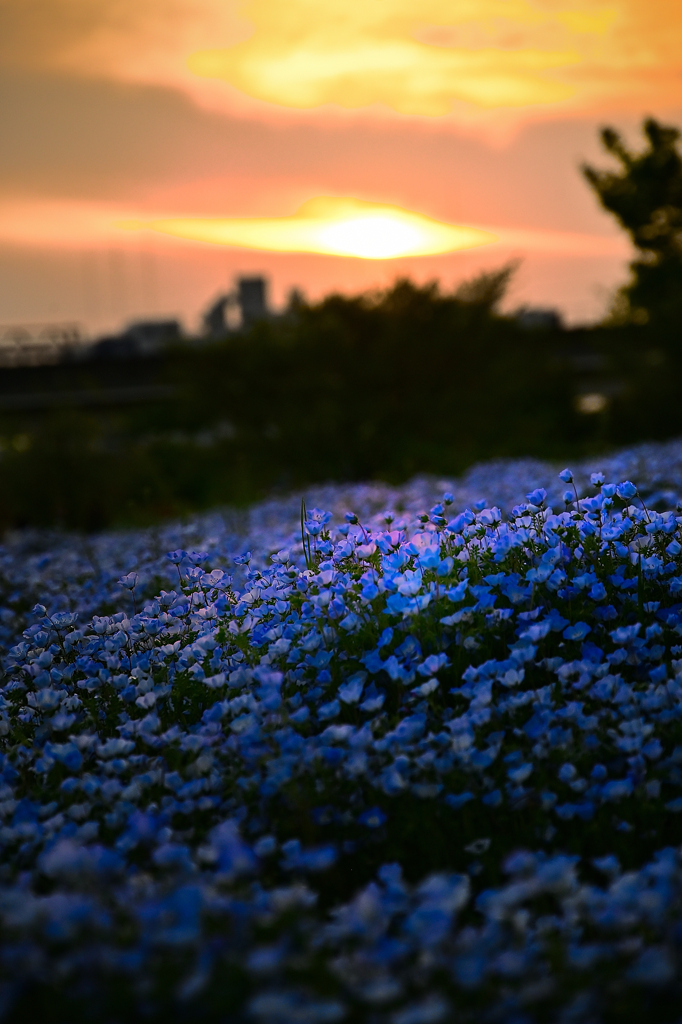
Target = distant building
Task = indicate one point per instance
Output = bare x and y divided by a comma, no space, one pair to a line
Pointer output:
215,317
539,319
143,338
252,299
40,344
249,299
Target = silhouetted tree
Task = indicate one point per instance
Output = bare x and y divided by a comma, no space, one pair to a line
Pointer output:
488,288
645,195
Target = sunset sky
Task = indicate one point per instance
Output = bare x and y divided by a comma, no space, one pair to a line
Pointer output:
133,131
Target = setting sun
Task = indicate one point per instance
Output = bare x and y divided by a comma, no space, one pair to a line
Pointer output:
332,226
372,237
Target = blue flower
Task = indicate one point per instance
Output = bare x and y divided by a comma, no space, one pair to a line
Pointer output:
155,766
625,634
617,789
578,631
626,490
372,818
329,710
129,581
351,691
537,497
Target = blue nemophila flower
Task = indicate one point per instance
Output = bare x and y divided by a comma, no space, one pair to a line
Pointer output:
537,497
351,691
329,710
129,581
577,631
203,785
625,634
374,817
176,556
626,490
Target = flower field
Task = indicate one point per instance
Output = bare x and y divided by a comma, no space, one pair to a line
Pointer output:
406,756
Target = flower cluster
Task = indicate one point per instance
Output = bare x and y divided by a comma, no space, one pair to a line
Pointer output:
388,766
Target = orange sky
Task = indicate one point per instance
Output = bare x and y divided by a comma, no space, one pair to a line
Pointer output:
471,113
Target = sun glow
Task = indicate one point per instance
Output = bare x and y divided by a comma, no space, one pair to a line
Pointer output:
372,238
332,226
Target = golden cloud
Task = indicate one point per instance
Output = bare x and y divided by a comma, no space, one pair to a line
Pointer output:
415,59
332,226
438,56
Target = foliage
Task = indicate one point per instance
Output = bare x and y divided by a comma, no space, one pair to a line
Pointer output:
645,195
401,769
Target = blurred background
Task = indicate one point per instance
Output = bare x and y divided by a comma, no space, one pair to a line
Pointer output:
144,375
